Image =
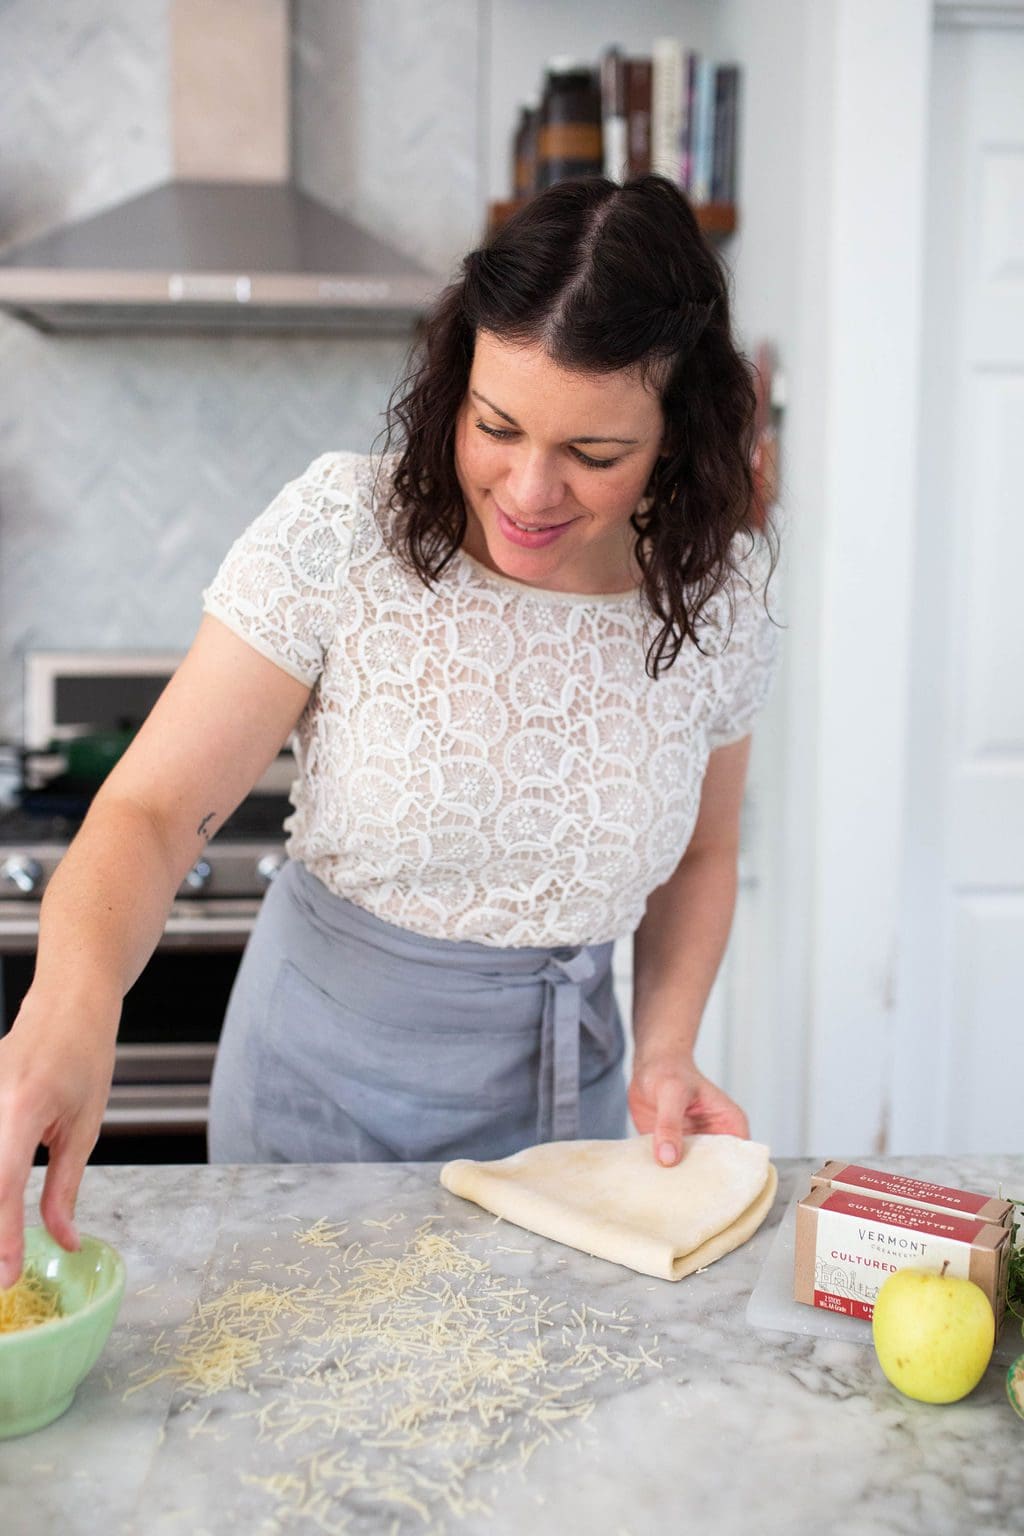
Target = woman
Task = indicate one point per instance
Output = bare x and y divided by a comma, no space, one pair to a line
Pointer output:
521,656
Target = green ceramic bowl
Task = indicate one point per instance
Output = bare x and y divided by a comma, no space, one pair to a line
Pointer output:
41,1368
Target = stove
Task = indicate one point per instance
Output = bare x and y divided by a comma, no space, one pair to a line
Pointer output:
172,1016
238,863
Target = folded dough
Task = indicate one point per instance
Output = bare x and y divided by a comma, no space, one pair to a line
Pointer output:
613,1200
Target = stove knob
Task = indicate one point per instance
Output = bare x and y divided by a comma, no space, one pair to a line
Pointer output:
25,873
268,866
198,877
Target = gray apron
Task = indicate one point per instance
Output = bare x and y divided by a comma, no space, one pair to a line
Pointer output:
348,1039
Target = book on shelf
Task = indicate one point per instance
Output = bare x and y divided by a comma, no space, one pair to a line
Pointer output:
667,100
723,163
674,112
688,114
703,134
638,115
614,120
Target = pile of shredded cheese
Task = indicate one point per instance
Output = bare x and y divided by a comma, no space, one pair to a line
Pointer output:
27,1303
376,1387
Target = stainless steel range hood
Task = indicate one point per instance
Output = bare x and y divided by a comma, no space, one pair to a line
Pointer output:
232,244
213,255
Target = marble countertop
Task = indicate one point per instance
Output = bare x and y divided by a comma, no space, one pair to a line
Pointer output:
697,1422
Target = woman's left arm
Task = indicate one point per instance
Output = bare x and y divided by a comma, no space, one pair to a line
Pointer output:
677,950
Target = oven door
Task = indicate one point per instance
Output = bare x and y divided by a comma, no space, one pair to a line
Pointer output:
170,1025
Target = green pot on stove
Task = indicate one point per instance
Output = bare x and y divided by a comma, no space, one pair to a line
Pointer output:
89,758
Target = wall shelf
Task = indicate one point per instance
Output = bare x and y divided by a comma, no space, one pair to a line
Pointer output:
718,220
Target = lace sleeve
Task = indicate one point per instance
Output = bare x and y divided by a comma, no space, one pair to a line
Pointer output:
277,586
747,661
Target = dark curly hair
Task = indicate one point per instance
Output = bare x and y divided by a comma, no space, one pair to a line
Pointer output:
605,277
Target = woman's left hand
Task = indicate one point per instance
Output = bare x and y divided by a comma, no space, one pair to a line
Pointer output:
673,1100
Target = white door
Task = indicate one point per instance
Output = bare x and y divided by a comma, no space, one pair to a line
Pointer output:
958,1083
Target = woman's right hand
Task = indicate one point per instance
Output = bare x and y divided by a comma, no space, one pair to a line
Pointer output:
219,723
56,1065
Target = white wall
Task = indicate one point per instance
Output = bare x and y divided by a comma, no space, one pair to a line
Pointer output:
782,150
874,275
830,262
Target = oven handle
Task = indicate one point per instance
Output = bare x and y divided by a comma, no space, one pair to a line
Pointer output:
163,1106
182,930
172,1062
236,925
206,930
13,929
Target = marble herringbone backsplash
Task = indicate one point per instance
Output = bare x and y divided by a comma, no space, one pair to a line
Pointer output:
129,463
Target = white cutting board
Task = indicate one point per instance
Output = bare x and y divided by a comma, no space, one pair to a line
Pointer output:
771,1303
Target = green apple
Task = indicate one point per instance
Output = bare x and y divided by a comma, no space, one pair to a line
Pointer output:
933,1334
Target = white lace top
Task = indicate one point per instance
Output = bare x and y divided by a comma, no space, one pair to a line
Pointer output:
486,761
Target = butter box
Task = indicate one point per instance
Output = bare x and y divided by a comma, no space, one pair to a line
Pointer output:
897,1186
848,1244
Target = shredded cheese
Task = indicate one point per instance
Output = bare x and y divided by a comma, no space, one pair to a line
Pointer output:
388,1377
322,1234
28,1302
385,1225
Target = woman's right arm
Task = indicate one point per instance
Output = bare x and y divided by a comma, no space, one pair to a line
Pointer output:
220,722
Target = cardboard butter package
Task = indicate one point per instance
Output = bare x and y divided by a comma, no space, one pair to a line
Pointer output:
917,1192
848,1244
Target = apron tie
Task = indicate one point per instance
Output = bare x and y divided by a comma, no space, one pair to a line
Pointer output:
565,1012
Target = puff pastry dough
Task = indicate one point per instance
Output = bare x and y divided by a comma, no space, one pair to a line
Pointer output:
613,1200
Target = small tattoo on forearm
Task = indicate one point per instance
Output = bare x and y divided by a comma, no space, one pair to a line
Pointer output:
203,828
